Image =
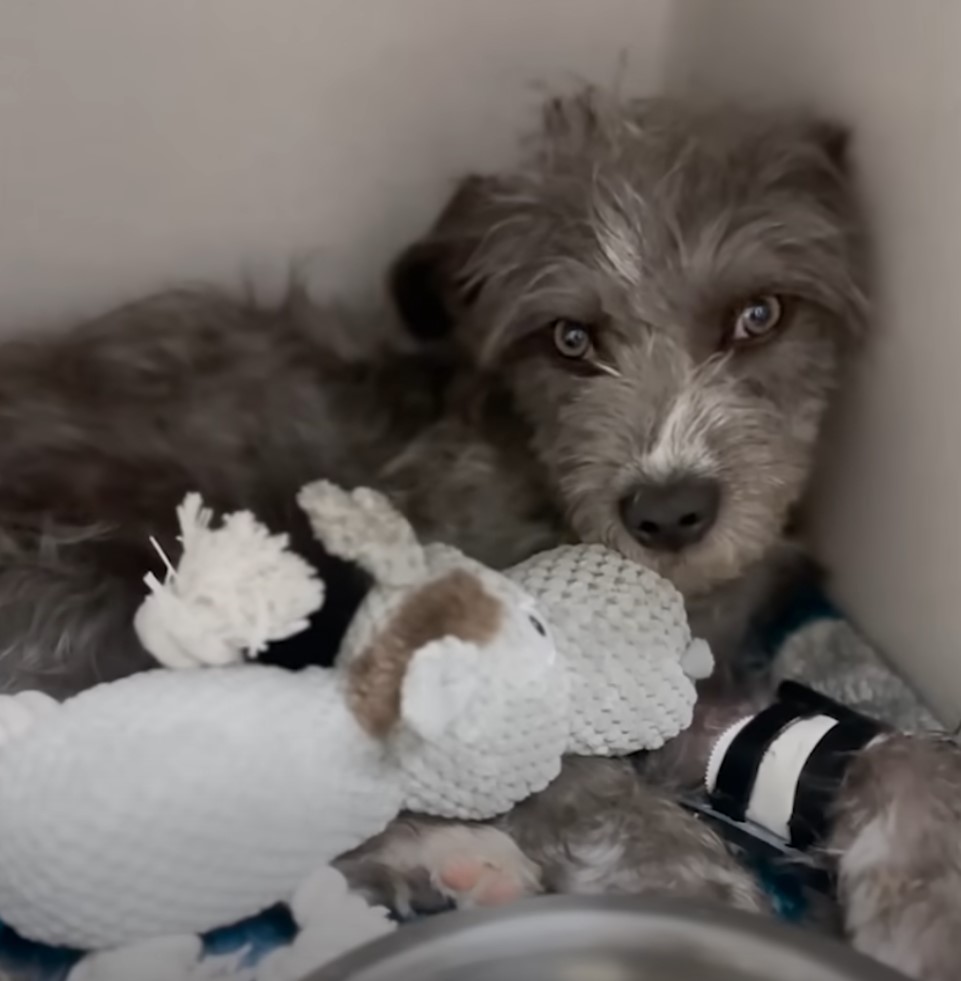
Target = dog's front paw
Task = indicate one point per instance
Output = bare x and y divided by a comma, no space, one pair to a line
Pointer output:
480,866
419,867
899,855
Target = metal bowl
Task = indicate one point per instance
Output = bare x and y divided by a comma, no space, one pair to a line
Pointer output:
603,939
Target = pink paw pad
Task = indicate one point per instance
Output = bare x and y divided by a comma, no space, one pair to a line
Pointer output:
479,882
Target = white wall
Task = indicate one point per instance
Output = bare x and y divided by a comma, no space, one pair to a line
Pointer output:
148,140
890,504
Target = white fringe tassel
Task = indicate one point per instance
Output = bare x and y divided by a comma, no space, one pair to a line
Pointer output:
236,589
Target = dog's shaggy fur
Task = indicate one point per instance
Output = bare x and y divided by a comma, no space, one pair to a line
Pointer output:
651,231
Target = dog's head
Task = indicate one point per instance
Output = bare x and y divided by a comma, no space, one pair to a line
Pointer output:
667,293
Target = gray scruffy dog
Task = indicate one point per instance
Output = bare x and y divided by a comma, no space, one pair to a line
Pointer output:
631,339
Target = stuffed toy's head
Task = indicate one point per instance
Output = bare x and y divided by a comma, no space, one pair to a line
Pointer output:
478,677
448,661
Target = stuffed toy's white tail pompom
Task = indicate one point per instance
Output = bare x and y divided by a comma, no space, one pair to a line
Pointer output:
236,589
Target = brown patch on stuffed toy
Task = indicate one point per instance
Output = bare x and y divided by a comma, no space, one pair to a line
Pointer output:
456,605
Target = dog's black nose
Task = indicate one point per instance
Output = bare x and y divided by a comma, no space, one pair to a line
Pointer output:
668,517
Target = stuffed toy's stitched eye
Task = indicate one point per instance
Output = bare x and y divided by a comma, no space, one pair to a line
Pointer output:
538,626
757,319
572,338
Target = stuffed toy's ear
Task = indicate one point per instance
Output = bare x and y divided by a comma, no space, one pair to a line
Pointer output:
441,680
362,526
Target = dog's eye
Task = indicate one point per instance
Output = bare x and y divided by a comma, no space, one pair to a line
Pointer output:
572,338
756,319
538,626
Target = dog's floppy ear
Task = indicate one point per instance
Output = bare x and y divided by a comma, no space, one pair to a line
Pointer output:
833,138
415,286
430,282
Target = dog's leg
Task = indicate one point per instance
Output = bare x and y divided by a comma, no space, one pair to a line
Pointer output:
897,835
596,830
680,764
599,830
423,865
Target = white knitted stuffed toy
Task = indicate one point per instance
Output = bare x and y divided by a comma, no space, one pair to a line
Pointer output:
173,802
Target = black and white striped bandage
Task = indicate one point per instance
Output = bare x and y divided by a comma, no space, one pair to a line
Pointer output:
782,768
